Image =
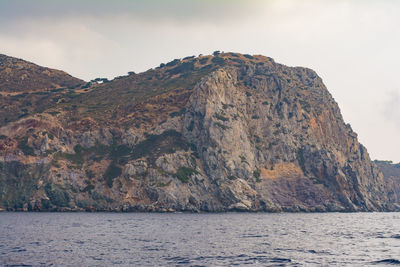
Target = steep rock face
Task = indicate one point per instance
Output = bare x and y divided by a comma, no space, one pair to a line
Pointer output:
213,133
261,129
391,172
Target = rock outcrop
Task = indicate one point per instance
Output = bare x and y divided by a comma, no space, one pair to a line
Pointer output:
391,172
210,133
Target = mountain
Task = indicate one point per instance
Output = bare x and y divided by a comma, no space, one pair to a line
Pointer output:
211,133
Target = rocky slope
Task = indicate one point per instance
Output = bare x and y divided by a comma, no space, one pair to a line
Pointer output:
209,133
27,89
391,172
17,75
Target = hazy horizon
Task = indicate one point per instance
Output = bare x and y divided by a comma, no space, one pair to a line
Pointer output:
352,45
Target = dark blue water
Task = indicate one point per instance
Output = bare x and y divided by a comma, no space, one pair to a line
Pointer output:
151,239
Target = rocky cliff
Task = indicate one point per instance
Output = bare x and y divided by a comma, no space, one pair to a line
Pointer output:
391,172
209,133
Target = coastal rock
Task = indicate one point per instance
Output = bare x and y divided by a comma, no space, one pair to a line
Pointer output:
228,132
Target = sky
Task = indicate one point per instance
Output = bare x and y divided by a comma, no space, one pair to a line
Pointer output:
352,44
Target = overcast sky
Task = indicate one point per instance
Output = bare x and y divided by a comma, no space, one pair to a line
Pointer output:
352,44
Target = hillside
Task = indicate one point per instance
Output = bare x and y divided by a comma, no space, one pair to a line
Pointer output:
27,89
210,133
391,172
17,75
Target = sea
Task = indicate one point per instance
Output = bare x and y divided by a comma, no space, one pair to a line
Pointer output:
203,239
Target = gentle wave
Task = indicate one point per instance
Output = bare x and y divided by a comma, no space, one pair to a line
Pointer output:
387,261
225,239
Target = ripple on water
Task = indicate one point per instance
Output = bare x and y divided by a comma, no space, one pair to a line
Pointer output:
142,239
387,261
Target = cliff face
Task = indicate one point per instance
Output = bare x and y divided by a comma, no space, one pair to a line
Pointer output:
213,133
391,172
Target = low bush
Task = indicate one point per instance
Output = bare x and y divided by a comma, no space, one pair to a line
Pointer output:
111,173
25,148
184,173
182,68
221,117
220,125
257,174
57,196
248,56
218,60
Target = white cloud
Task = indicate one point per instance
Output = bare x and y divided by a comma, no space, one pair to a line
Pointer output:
392,108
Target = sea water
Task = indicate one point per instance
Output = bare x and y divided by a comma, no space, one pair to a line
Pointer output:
205,239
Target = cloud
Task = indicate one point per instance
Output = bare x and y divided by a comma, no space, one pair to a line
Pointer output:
392,108
149,10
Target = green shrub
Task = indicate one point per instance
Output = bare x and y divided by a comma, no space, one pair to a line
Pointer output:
231,177
78,149
221,117
182,68
248,94
58,196
111,173
218,60
305,105
96,196
155,145
25,148
22,115
191,126
76,158
220,125
301,160
248,56
203,60
83,204
177,113
53,113
243,159
257,174
51,136
239,61
89,174
184,173
87,188
173,62
118,151
277,132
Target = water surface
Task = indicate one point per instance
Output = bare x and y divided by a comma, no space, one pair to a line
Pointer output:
182,239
